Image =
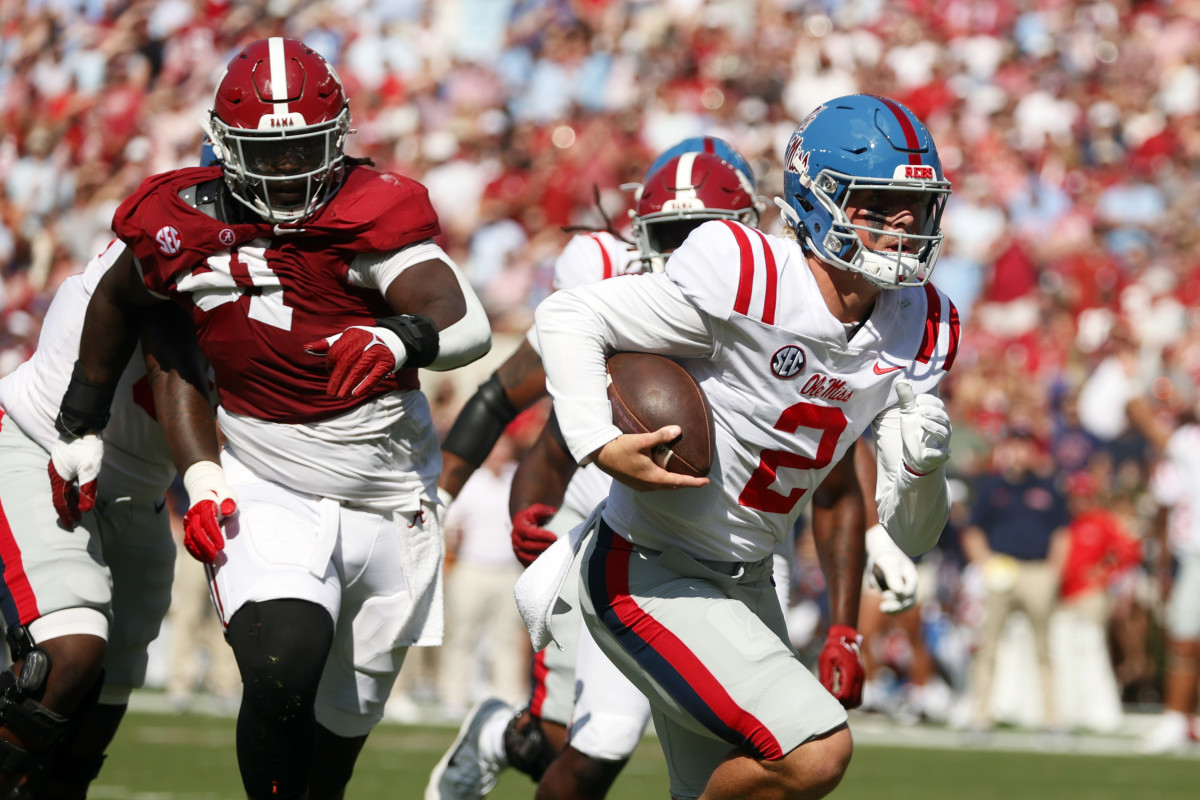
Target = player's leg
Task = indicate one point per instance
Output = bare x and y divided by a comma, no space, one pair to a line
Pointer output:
55,596
139,550
277,592
608,720
281,646
737,714
494,736
1173,733
391,600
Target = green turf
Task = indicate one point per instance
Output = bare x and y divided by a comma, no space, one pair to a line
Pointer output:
162,757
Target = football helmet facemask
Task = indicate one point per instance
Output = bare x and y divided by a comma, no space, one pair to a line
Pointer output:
681,194
279,123
842,152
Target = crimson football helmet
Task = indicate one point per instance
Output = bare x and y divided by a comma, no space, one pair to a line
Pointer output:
684,192
278,123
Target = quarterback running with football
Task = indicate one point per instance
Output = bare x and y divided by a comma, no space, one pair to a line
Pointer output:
316,291
578,695
800,343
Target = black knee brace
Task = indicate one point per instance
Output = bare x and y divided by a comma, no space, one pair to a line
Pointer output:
280,647
39,727
526,746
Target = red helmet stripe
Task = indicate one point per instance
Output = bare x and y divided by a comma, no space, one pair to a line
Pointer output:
910,133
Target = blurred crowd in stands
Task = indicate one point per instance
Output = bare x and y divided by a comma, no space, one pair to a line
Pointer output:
1070,130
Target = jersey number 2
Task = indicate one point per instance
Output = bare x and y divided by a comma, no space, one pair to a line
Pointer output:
758,493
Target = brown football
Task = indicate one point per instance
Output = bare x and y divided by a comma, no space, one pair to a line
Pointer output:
649,391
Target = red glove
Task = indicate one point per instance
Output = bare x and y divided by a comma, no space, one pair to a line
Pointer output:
74,467
212,503
358,358
202,528
840,665
529,538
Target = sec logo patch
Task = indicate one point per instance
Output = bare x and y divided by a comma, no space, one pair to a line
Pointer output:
788,362
168,240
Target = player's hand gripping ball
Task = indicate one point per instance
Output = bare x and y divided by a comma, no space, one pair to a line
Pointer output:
649,391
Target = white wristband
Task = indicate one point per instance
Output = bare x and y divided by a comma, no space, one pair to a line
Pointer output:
205,479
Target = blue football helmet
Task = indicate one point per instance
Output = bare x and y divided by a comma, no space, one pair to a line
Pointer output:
864,143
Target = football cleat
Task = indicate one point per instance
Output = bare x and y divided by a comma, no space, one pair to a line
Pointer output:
466,772
1172,734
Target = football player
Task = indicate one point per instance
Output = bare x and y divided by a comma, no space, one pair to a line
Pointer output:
316,291
577,691
801,343
83,595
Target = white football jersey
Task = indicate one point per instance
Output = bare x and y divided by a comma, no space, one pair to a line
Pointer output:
592,257
742,311
1173,485
589,258
137,463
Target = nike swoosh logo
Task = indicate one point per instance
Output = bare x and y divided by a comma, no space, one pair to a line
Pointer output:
280,230
884,370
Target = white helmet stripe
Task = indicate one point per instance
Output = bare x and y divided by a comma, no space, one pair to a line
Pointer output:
683,177
279,87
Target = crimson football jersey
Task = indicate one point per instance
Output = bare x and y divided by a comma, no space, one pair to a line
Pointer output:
259,292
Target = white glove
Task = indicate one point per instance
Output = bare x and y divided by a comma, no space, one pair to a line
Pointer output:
924,429
74,467
890,572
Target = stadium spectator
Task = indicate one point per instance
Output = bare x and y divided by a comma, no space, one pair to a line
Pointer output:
1018,537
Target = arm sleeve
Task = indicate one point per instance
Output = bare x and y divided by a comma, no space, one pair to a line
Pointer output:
461,343
912,509
577,330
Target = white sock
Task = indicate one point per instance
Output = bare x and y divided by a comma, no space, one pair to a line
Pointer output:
491,740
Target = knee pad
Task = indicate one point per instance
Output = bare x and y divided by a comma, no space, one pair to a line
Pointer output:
39,728
526,746
281,647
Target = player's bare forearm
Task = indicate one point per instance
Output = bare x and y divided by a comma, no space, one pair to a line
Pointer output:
455,471
542,475
112,321
178,376
838,532
523,377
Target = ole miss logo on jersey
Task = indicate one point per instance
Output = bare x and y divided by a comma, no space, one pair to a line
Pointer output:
788,362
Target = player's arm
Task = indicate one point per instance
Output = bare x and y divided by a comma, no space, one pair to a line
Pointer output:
1143,417
109,336
889,571
437,323
838,524
912,442
178,374
538,488
515,386
577,329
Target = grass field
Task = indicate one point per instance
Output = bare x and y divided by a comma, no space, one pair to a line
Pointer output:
191,757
